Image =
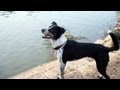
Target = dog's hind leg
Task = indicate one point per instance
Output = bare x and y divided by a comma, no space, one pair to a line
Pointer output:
103,72
101,64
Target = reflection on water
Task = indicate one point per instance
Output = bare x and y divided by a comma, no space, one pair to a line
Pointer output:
21,45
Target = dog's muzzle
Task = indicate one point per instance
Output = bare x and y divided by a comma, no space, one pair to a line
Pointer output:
46,34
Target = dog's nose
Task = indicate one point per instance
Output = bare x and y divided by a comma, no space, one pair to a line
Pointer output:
43,30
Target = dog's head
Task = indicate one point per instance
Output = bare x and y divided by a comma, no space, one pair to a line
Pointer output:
53,32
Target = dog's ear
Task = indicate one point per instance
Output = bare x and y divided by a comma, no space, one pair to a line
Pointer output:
54,23
62,30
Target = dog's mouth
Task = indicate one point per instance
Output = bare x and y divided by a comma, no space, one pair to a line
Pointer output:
46,34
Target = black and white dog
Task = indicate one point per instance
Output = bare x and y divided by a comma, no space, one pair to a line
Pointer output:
68,50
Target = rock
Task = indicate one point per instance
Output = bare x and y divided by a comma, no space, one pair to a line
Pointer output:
106,42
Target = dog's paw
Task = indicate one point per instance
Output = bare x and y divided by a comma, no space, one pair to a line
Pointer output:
100,77
58,78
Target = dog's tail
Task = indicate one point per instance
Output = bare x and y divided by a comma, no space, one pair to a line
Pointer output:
115,41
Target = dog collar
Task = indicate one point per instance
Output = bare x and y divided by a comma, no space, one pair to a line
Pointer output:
58,47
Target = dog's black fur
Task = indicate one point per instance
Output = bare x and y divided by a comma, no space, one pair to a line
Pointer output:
74,50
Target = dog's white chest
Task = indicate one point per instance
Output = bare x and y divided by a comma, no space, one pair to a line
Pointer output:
59,42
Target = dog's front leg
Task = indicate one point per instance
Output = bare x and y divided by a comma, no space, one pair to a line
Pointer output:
62,68
62,64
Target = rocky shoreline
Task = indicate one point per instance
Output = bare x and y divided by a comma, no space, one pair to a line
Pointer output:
81,69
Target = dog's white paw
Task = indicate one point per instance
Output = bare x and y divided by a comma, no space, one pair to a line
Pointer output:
59,77
100,77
